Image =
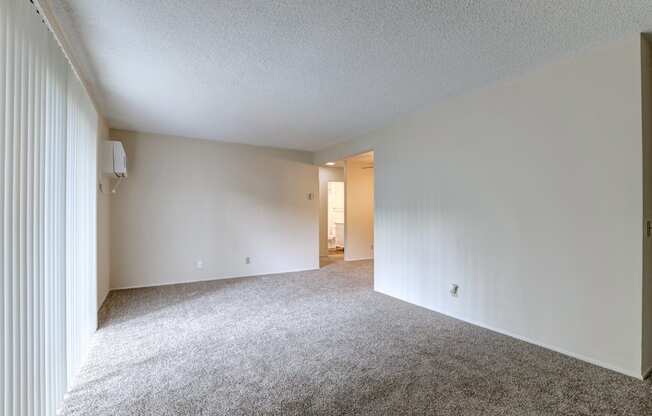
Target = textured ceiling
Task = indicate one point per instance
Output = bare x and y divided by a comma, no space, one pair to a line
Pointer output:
306,74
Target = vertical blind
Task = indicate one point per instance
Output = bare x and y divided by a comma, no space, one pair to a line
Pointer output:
81,222
48,131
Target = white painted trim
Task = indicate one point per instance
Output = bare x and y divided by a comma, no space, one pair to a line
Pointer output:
358,259
208,279
529,340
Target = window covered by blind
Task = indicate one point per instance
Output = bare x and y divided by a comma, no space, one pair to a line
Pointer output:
48,133
81,247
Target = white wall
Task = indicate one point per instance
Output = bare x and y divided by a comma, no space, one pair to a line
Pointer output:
326,175
359,202
187,200
528,195
103,221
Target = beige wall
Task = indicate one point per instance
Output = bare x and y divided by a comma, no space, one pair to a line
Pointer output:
326,175
191,200
646,78
103,220
528,195
359,211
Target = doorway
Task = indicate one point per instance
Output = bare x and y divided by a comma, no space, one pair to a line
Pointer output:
359,207
331,213
346,194
335,217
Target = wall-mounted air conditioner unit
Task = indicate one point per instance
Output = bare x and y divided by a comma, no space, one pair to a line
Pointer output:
115,159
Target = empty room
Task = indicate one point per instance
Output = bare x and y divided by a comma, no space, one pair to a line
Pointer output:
325,207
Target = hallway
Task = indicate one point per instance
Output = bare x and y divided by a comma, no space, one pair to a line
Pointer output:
333,257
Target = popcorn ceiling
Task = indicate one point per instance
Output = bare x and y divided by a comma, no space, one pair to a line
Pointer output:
307,74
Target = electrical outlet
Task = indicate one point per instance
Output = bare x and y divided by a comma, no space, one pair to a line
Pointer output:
247,260
199,264
454,290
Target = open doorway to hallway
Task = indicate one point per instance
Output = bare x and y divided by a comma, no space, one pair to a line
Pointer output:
359,207
347,209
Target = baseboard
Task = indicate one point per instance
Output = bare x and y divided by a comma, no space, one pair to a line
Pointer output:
106,295
359,259
502,331
208,279
647,373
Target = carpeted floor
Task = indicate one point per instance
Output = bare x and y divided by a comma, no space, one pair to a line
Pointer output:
323,343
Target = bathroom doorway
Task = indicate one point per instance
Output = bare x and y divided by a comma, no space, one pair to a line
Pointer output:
335,214
332,191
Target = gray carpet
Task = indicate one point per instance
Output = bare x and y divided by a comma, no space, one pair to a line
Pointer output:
323,343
